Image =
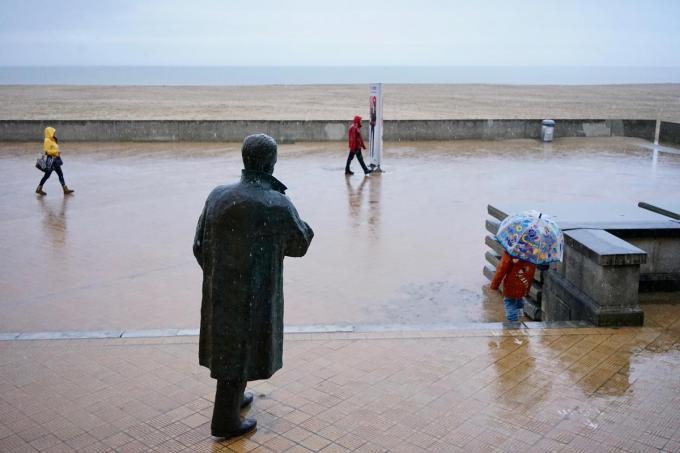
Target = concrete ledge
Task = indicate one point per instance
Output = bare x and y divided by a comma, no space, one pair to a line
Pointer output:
492,258
9,336
488,272
604,248
318,328
149,333
557,324
564,301
496,212
286,131
492,327
494,244
492,226
69,335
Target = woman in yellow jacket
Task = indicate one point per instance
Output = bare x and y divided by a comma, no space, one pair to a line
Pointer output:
54,162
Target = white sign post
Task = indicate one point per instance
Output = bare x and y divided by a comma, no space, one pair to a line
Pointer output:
375,138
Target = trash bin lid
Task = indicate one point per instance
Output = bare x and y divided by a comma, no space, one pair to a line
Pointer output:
548,122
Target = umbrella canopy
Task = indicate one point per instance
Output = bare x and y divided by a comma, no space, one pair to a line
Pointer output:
531,236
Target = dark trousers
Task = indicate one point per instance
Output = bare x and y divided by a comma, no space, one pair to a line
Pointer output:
360,158
57,169
226,413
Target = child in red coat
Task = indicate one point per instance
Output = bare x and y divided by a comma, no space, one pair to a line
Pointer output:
516,276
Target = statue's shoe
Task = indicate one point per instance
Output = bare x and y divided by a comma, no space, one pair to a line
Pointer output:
247,425
247,400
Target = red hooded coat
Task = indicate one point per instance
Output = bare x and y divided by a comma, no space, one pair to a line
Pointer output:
356,141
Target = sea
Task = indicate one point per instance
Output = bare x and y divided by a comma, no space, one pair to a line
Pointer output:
321,75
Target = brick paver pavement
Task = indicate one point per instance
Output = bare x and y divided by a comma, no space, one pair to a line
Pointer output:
579,389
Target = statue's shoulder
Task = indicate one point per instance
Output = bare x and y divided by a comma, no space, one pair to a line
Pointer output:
222,192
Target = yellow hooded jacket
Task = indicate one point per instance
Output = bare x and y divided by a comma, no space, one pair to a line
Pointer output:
50,145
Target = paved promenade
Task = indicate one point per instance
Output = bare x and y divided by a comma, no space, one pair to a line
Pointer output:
405,247
529,390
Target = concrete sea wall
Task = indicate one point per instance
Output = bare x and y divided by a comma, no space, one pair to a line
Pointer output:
300,131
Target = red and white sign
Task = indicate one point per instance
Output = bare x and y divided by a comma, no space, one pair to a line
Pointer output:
375,131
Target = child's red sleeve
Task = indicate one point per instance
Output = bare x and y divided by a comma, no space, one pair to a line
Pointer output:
501,270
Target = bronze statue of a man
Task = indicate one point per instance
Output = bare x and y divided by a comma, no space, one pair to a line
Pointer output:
243,234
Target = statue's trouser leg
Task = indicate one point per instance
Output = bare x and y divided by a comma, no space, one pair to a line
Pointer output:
226,413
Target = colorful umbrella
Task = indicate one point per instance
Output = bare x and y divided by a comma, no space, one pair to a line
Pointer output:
531,236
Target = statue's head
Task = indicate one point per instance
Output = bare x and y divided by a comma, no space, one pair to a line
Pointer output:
259,153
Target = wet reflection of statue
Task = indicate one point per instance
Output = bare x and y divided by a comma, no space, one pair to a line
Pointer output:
242,236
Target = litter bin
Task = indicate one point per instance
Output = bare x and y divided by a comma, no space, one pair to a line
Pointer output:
547,130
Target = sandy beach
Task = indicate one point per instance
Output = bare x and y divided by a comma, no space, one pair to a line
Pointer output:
332,102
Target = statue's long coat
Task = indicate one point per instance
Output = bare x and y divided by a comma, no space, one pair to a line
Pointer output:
243,234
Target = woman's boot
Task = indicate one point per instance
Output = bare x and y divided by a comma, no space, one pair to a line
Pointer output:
39,191
67,191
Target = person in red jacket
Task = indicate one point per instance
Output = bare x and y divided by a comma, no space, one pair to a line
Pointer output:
516,276
356,144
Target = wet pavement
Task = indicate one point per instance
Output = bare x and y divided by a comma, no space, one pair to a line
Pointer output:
525,390
405,247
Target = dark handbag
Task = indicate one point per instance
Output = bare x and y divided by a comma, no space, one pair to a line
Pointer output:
41,163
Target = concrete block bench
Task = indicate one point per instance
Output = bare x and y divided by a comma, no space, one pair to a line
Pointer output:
607,240
596,282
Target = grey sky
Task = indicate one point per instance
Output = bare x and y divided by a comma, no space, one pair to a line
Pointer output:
307,32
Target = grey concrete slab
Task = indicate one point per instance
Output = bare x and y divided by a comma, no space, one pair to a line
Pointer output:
588,215
604,248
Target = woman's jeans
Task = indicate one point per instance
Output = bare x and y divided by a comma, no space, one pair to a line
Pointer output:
57,169
513,308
